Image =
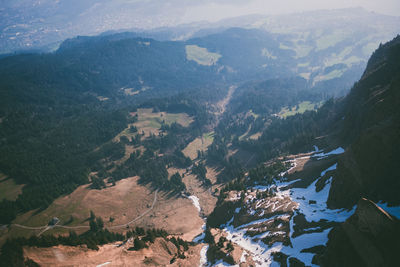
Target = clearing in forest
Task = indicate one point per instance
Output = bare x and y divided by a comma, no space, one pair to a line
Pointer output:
298,109
201,55
9,189
198,144
150,122
116,205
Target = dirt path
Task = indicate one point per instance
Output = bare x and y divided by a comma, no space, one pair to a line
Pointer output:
44,228
139,217
29,227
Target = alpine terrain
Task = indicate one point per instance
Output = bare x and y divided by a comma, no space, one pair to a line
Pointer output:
156,140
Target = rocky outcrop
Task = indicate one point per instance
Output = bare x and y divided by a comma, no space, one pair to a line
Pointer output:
370,237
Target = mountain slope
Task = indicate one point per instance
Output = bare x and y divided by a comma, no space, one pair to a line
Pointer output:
60,111
370,168
367,238
103,65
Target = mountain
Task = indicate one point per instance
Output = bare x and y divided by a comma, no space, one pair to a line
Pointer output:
369,237
103,65
45,24
58,109
371,126
317,211
329,48
258,57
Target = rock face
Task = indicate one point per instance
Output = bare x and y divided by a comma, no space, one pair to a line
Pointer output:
370,237
370,128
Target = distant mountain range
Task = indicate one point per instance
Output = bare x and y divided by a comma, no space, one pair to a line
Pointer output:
43,25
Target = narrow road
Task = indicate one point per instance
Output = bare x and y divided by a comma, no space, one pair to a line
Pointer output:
44,228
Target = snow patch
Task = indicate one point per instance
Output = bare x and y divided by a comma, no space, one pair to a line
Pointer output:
203,256
196,202
395,211
316,149
319,210
201,236
221,263
243,257
322,155
259,251
331,168
306,241
103,264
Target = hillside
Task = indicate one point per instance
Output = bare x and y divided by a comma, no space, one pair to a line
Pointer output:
369,167
367,238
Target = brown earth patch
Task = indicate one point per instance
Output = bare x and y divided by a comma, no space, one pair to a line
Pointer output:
124,202
197,144
177,216
158,254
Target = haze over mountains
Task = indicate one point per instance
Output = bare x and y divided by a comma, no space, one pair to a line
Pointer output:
259,140
43,25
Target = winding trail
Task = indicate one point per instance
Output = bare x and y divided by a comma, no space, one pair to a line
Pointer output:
44,228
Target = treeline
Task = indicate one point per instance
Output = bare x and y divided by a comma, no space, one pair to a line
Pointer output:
12,254
52,154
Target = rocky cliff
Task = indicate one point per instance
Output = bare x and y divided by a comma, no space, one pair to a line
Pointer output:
371,130
370,237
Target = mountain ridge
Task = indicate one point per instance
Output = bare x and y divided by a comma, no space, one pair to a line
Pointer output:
371,121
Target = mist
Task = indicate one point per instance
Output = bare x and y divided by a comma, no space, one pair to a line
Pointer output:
45,23
214,10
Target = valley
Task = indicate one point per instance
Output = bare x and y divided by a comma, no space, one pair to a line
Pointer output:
249,142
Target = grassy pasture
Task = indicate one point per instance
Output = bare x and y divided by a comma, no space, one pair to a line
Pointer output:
300,108
150,122
198,144
201,55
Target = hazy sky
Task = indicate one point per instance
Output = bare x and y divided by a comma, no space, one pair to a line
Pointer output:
217,9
